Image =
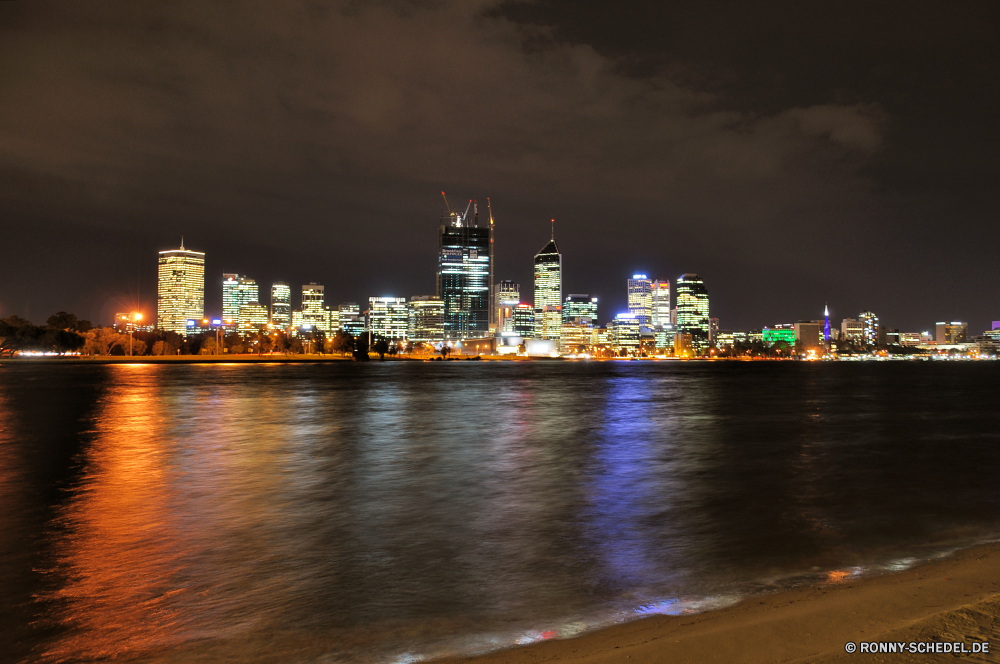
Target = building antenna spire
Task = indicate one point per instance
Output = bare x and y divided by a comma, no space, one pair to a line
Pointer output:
182,243
553,229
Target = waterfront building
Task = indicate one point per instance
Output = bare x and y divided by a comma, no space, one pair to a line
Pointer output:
388,317
910,339
426,319
661,303
180,289
826,323
809,334
772,335
713,329
692,311
955,332
506,296
464,275
523,320
579,306
625,332
640,298
852,330
313,297
548,290
252,316
351,320
683,345
297,320
281,305
870,330
725,339
237,291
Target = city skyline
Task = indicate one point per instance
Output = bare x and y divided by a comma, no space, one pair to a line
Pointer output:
856,176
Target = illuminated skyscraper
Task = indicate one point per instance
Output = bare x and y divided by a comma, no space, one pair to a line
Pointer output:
237,291
181,289
463,276
579,313
388,317
870,330
351,320
692,311
506,296
661,303
426,319
640,298
826,323
281,305
548,289
313,312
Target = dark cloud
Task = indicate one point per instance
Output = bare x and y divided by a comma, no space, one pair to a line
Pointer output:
309,141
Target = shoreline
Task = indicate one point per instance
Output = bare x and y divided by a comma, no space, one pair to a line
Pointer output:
955,598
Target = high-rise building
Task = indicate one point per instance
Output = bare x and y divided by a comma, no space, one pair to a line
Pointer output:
252,316
852,330
579,313
281,305
661,303
640,298
548,289
506,296
523,320
579,307
826,323
313,297
870,331
180,289
464,274
955,332
426,319
692,311
237,291
350,319
625,332
388,317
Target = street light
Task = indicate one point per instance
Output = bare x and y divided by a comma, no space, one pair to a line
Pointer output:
136,316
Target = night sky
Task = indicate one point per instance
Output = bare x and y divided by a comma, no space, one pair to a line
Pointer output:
791,153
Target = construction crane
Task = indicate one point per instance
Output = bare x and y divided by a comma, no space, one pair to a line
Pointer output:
447,204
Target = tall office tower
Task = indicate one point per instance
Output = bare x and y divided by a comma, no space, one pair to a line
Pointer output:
426,319
713,329
661,303
506,296
237,291
350,319
181,289
463,276
388,317
870,330
692,311
523,320
252,316
826,323
312,304
579,307
955,332
640,298
579,313
548,289
281,305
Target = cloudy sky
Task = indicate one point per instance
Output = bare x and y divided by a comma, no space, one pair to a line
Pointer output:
790,153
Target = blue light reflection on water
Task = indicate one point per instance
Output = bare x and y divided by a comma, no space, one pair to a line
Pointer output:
355,512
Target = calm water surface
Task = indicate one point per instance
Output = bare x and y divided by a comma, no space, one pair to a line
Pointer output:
391,512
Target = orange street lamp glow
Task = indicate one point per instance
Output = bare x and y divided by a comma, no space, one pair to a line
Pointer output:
137,316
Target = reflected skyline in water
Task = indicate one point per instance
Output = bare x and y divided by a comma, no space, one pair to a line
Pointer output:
352,512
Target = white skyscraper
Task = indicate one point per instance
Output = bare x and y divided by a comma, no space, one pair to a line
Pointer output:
640,298
181,289
661,303
237,292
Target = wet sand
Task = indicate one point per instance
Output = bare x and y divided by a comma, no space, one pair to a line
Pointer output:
948,600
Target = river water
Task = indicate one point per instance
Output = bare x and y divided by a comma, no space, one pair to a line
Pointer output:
390,512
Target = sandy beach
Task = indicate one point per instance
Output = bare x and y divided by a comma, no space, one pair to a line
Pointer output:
948,600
